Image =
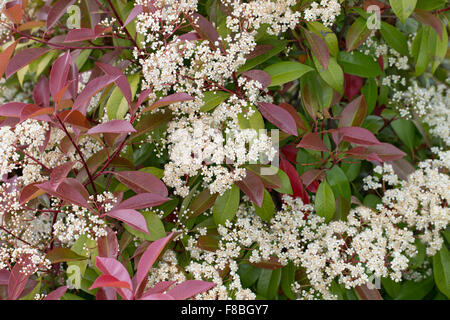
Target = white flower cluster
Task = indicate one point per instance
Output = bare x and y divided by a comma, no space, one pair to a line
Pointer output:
326,11
431,105
370,243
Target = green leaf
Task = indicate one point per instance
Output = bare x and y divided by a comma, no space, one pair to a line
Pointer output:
60,254
315,93
438,48
117,106
226,205
267,210
286,187
406,131
370,93
351,169
212,99
371,201
286,71
403,8
333,75
248,274
268,283
327,34
408,290
255,121
357,34
287,279
339,183
325,201
420,51
441,268
359,64
394,38
430,4
154,225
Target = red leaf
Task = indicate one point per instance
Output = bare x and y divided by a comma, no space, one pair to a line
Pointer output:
59,73
319,48
354,113
259,50
121,82
81,34
358,135
205,29
173,98
133,14
142,200
160,287
57,11
298,121
41,92
272,264
17,280
67,191
82,101
189,289
279,117
430,19
107,280
190,36
29,192
5,56
310,176
56,294
149,257
258,75
290,152
294,178
106,293
113,126
75,118
131,217
108,246
23,58
312,141
59,173
36,112
353,85
142,182
112,267
12,109
253,187
386,151
13,12
4,277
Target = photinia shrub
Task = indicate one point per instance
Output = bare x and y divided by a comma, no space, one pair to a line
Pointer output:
218,149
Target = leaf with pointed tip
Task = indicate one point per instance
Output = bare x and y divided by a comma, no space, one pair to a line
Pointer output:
59,73
68,190
59,173
142,182
75,118
294,178
173,98
253,187
324,202
354,113
310,176
82,101
319,48
17,281
113,126
357,34
112,267
190,288
121,82
149,257
5,56
57,11
403,8
205,29
142,201
160,287
129,216
56,294
133,14
23,58
14,12
29,192
286,71
386,151
107,280
312,141
58,255
358,135
190,36
12,109
279,117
